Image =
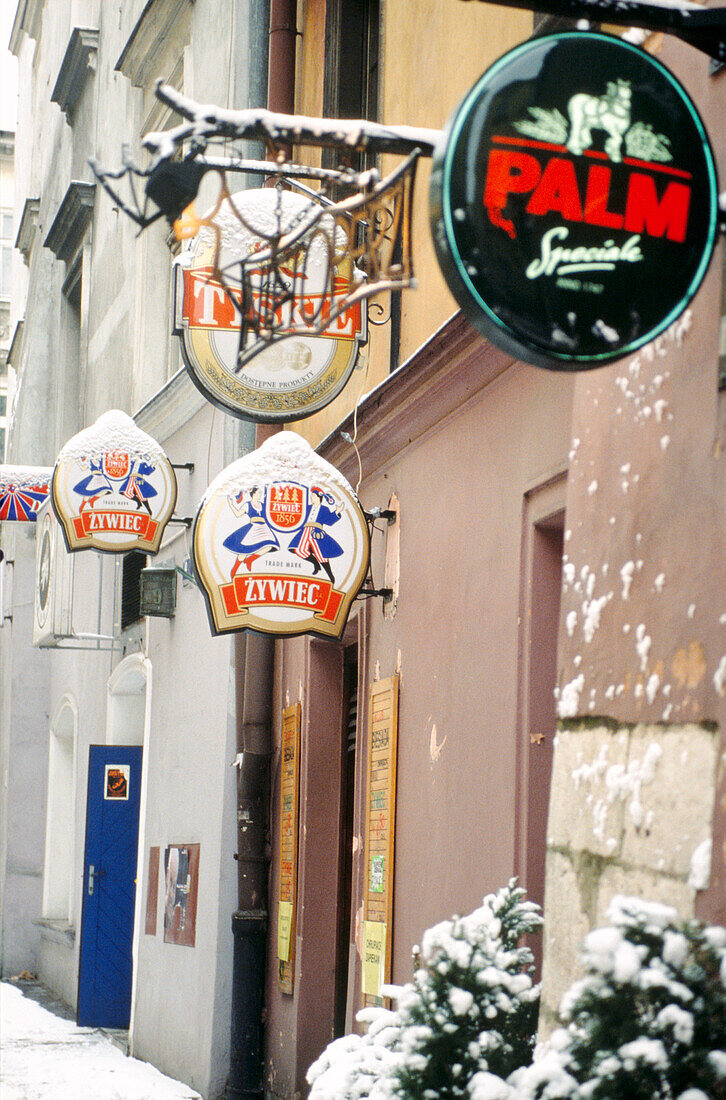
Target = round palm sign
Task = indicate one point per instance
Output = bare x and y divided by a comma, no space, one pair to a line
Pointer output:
574,200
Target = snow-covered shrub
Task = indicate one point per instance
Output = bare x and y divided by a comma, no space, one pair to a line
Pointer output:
356,1066
648,1020
465,1022
472,1008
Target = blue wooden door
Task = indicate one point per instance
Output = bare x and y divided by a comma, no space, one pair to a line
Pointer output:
109,886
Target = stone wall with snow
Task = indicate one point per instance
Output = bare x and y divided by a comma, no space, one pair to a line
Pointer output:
631,812
637,803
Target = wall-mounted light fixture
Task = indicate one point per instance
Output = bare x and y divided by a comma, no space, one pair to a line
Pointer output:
158,591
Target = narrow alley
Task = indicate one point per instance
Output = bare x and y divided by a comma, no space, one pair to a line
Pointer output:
44,1055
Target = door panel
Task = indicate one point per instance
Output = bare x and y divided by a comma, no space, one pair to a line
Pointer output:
109,885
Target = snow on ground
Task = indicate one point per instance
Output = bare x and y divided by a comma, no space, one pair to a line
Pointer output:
46,1056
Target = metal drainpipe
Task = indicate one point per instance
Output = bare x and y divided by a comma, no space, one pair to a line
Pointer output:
254,662
281,78
254,655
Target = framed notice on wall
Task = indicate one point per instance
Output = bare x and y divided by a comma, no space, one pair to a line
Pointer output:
181,876
289,788
380,831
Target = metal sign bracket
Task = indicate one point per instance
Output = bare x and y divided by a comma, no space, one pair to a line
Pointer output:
702,28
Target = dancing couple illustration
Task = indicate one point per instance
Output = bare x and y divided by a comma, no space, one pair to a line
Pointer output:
132,483
311,542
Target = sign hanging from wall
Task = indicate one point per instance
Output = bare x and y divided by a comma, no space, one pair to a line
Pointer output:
280,543
219,284
113,488
574,200
380,836
23,489
289,796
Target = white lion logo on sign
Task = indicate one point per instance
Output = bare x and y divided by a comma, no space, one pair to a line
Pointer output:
610,113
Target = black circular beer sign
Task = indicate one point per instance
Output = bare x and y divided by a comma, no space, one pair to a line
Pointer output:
574,200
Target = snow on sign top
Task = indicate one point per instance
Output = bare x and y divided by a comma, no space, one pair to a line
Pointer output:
23,477
285,456
113,488
266,212
208,119
280,543
112,431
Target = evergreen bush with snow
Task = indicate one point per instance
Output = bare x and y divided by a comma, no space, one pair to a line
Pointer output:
465,1022
648,1020
472,1007
357,1067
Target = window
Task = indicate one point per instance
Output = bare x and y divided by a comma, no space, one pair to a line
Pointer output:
5,260
131,568
60,820
350,90
6,226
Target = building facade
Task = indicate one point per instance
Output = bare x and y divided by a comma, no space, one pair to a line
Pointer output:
551,554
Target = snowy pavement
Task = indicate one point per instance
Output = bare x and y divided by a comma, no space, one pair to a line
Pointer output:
46,1056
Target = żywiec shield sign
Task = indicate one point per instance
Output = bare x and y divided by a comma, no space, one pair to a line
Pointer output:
298,373
574,200
280,543
113,488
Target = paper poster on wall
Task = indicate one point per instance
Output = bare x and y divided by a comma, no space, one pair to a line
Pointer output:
374,957
116,782
289,791
380,831
284,928
181,872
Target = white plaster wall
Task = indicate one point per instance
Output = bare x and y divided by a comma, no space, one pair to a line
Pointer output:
23,726
189,798
180,1018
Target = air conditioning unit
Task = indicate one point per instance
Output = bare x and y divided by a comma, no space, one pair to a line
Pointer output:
53,603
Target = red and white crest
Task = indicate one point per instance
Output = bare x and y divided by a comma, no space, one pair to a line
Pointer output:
116,464
286,505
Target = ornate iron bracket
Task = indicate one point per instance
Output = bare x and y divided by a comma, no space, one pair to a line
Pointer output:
358,223
171,182
702,28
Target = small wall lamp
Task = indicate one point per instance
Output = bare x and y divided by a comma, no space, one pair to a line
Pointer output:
158,591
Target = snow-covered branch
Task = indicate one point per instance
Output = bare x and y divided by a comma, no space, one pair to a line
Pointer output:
206,122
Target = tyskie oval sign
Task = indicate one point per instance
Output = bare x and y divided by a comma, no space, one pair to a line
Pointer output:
302,369
574,200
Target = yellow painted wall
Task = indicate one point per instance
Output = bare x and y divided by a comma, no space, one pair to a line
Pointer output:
432,52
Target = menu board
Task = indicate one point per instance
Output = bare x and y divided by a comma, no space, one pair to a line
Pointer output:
380,831
289,791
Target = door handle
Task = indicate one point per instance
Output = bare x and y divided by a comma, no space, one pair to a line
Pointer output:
93,873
